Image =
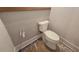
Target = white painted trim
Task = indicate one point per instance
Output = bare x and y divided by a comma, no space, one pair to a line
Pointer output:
27,42
70,45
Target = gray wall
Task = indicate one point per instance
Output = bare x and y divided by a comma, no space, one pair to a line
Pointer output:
65,22
24,20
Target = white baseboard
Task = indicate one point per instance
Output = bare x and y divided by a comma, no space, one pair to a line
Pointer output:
70,45
27,42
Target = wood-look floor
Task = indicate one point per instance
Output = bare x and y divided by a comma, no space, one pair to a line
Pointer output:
37,46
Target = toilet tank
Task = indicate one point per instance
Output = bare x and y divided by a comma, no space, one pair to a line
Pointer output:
43,25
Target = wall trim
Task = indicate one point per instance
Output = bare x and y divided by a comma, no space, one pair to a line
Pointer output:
70,45
27,42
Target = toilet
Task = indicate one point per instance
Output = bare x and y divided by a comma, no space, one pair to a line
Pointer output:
50,38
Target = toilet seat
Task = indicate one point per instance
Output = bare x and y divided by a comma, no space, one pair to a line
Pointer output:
51,35
51,39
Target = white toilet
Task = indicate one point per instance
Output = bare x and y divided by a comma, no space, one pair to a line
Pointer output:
50,38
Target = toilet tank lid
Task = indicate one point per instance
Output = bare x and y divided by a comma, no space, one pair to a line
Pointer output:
43,22
52,35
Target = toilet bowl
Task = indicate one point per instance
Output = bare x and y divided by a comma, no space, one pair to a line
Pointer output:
49,37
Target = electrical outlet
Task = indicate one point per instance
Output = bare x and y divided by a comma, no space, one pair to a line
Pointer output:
23,34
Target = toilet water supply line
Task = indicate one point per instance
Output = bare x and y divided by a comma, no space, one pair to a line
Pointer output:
35,46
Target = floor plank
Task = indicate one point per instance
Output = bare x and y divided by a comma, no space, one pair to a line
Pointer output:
37,46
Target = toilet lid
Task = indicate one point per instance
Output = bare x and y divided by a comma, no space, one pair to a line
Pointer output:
52,35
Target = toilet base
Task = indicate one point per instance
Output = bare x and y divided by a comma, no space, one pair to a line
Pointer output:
49,44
